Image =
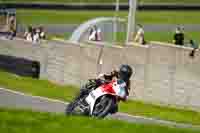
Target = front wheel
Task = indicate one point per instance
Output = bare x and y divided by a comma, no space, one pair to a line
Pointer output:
76,108
103,106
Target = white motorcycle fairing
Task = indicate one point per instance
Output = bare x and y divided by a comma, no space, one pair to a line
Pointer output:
93,96
118,88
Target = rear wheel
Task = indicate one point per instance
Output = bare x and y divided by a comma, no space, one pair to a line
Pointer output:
103,106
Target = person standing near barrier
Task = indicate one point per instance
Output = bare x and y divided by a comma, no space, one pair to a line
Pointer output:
36,35
98,35
28,35
12,28
195,47
139,37
95,34
178,37
42,33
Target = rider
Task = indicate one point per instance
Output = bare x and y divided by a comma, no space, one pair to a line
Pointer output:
123,75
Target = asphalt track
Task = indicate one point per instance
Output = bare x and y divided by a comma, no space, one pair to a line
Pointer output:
63,28
13,99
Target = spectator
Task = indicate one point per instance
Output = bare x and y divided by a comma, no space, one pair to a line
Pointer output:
98,34
95,34
195,47
139,37
12,19
92,33
42,33
29,34
178,37
36,35
12,28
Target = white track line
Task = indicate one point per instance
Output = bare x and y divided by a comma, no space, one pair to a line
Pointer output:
42,98
59,101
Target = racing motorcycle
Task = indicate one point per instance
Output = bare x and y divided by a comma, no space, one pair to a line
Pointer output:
98,100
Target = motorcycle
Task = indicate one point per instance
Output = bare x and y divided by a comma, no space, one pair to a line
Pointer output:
98,101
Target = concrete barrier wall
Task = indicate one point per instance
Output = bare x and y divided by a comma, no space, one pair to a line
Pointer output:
25,50
164,73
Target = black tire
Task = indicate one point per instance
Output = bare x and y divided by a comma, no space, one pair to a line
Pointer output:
107,103
71,109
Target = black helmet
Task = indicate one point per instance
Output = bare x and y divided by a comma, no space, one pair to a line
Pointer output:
125,72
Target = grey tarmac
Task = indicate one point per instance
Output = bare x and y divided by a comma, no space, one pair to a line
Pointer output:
14,99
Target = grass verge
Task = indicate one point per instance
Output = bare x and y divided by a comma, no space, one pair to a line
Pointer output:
18,121
37,87
64,36
66,93
149,36
77,17
160,112
162,37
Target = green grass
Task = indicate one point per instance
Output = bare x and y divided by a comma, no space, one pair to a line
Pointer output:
162,37
149,36
59,17
37,87
66,93
160,112
101,1
168,17
21,121
170,1
168,36
64,36
77,17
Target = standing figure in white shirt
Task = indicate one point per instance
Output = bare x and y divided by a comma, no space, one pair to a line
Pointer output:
139,37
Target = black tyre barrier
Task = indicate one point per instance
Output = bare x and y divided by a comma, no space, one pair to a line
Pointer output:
20,66
98,6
